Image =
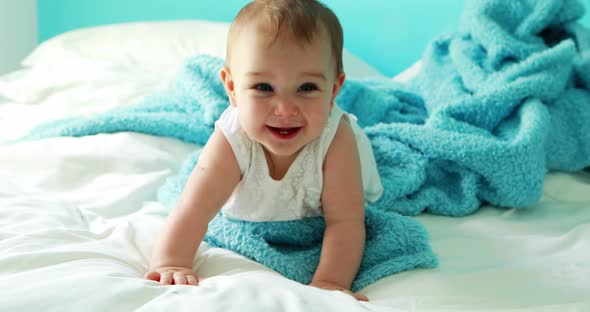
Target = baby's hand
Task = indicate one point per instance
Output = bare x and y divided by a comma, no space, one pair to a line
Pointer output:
332,286
173,275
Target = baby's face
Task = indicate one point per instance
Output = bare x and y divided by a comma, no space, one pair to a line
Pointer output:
283,90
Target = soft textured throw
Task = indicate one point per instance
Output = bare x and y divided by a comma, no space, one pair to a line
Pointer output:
495,106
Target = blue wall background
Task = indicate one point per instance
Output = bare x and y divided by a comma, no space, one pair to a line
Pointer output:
389,34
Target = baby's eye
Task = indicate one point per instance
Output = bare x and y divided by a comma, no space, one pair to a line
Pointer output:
307,87
264,87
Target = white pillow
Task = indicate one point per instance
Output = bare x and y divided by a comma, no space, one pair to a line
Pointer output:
158,45
409,73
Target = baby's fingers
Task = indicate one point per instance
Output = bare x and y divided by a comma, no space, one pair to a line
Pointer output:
192,280
356,296
166,278
172,277
360,297
152,275
179,278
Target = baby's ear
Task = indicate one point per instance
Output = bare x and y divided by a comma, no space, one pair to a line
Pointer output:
337,85
228,84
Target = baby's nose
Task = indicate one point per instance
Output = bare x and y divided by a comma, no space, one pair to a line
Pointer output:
285,108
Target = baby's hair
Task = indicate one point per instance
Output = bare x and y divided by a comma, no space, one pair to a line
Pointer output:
304,19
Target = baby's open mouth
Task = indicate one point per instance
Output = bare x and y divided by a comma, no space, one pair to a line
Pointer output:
284,133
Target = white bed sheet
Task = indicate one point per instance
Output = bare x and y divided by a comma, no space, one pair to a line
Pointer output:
78,217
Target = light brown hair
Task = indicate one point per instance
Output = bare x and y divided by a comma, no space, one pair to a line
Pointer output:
304,19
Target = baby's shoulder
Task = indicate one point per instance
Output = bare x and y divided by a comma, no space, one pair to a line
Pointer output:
344,137
241,144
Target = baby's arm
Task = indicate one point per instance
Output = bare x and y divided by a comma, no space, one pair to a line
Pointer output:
343,205
209,186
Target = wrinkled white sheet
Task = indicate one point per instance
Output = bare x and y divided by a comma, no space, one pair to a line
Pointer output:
78,217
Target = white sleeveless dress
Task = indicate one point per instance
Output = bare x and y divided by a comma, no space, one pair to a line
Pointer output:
258,197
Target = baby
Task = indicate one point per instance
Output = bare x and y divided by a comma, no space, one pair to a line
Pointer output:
282,150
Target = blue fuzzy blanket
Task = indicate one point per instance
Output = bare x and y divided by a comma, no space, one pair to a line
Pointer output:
495,106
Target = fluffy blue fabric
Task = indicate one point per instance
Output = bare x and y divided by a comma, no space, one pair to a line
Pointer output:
393,243
494,107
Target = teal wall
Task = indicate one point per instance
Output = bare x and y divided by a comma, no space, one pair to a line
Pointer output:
57,16
389,34
392,34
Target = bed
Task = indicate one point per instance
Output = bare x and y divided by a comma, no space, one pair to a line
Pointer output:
78,216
